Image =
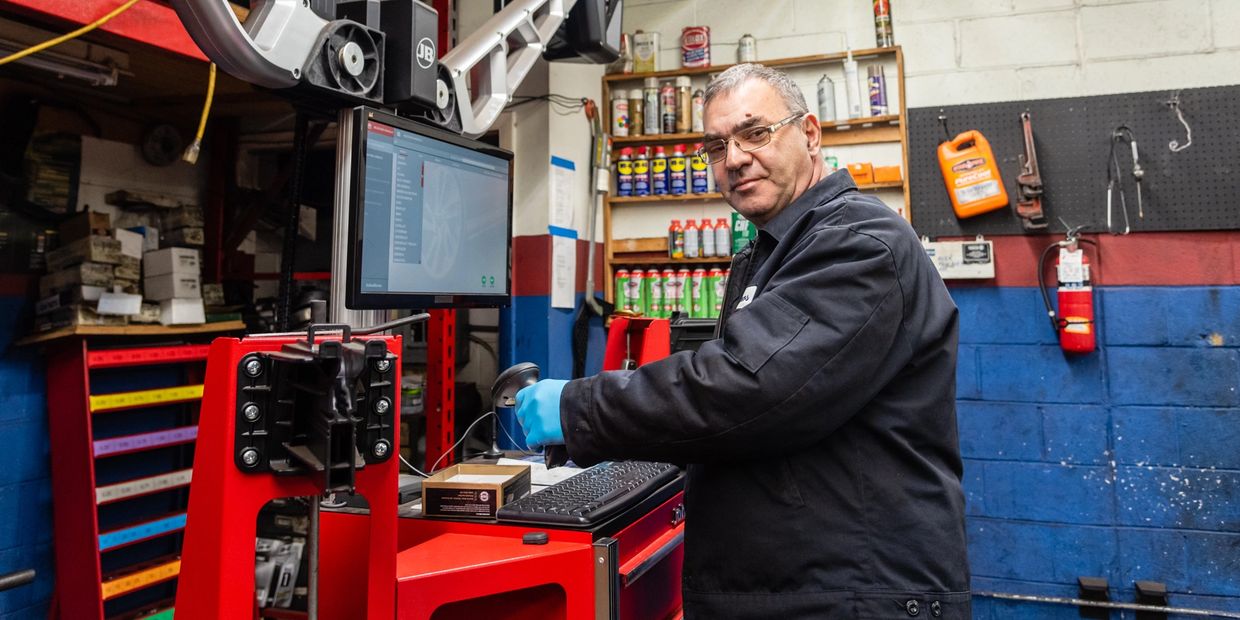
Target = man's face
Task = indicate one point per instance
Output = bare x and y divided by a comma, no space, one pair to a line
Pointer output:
759,184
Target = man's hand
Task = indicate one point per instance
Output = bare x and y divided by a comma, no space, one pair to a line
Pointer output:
538,411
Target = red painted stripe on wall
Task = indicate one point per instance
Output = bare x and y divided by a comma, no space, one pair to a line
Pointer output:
147,22
1140,259
531,265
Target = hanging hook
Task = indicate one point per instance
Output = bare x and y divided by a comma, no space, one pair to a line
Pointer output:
947,136
1174,145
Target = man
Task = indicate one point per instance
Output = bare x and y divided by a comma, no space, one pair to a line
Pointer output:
819,428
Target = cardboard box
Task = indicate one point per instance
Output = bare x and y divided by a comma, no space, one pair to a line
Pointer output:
147,314
150,237
887,174
213,294
73,316
172,286
131,243
188,215
82,274
85,224
130,287
94,249
862,173
181,261
181,312
71,296
184,236
127,272
119,304
474,490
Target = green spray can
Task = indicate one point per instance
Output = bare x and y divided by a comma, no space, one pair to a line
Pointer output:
633,301
622,285
697,294
653,294
681,291
671,293
715,289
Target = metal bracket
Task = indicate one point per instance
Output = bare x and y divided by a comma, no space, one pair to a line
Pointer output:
606,579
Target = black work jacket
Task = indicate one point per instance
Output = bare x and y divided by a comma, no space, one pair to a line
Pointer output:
819,429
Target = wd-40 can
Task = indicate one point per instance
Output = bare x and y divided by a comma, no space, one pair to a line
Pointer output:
641,173
624,172
653,295
697,294
698,171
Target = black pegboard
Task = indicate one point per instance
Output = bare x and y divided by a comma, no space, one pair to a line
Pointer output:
1195,189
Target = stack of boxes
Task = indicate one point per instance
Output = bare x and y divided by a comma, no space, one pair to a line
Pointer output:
80,273
173,278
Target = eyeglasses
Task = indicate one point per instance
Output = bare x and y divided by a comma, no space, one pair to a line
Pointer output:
748,140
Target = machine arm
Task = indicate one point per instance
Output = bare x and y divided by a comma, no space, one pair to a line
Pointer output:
280,42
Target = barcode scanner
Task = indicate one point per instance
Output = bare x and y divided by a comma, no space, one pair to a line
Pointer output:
504,394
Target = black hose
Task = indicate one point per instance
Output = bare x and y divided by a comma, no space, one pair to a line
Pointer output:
1046,297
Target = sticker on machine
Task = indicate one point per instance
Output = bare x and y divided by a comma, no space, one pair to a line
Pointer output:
747,297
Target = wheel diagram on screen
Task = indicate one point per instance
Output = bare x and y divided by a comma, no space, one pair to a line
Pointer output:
443,221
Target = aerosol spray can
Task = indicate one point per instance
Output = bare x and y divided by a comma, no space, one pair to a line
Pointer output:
684,104
637,112
699,172
667,107
641,172
882,23
672,292
624,173
717,288
697,294
678,171
620,113
653,294
878,90
747,49
633,298
683,284
826,99
658,172
698,109
651,121
622,286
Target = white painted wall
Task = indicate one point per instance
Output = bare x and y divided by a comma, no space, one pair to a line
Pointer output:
974,51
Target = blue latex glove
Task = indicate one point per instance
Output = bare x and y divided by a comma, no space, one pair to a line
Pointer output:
538,411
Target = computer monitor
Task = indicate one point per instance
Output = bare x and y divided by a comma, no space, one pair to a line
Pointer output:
430,217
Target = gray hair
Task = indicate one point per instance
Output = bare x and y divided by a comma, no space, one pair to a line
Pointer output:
735,75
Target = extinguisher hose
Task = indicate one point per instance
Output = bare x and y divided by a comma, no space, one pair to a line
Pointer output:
1046,296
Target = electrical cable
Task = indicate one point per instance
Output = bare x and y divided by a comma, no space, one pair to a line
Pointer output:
34,49
464,436
191,152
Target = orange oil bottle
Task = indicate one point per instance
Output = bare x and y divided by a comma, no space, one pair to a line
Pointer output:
972,175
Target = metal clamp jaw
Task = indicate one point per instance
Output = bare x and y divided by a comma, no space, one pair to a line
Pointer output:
324,409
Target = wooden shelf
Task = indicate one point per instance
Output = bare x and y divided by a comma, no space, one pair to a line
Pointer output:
655,138
777,62
667,198
642,259
877,186
134,330
866,130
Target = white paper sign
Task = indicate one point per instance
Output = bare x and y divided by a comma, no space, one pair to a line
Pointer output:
563,267
563,173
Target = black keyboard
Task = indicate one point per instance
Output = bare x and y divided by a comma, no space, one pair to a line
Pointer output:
591,496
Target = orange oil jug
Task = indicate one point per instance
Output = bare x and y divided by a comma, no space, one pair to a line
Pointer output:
972,175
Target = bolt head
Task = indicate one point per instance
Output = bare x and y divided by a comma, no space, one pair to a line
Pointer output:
253,367
381,447
250,411
249,456
383,365
383,405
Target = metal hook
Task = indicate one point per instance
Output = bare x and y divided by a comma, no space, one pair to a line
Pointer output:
1174,145
947,137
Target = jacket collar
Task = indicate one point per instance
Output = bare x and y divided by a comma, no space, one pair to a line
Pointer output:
824,191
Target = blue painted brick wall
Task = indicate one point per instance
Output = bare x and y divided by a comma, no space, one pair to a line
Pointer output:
25,474
1122,464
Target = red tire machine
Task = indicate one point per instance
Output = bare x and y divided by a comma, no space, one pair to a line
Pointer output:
315,413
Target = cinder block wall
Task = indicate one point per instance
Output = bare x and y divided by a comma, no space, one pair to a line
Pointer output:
25,475
1122,464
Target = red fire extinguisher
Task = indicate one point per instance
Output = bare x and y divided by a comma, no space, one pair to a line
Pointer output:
1074,321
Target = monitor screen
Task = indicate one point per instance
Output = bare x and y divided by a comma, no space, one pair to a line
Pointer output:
431,217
